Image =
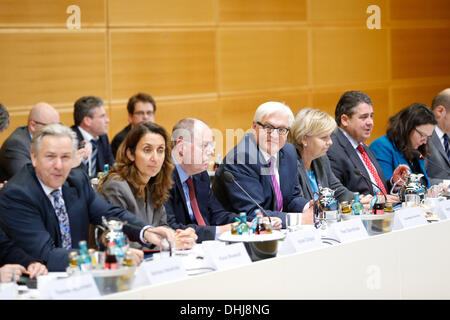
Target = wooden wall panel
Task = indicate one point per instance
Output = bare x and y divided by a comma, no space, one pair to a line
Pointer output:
349,56
407,95
261,59
354,12
150,12
56,67
50,13
162,63
262,11
420,53
419,9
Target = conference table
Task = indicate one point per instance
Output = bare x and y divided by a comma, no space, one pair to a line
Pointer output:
411,263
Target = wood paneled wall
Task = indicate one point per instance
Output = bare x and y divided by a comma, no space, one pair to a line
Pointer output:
219,59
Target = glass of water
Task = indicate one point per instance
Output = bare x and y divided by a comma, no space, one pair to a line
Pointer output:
293,221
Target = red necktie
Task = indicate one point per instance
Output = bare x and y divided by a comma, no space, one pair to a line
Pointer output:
371,168
194,204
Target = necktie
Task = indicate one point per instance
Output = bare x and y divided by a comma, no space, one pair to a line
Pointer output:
93,159
63,218
276,187
371,168
447,149
194,204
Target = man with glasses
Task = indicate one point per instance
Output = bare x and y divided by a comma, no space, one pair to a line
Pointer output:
91,127
141,108
15,151
265,165
191,202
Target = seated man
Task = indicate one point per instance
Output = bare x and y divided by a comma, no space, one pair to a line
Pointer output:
191,202
46,208
91,126
265,165
141,108
15,151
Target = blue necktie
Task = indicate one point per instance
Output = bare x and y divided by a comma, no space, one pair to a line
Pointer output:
447,150
93,159
63,218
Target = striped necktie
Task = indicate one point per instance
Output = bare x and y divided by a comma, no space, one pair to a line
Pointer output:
446,148
63,219
276,187
371,168
93,159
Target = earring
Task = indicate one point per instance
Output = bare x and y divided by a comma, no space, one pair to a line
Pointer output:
305,145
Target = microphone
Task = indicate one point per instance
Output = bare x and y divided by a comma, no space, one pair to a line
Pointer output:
230,178
420,156
359,173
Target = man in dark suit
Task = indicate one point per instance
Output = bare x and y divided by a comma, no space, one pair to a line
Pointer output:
191,202
12,257
91,126
47,207
15,151
265,165
348,153
437,164
141,108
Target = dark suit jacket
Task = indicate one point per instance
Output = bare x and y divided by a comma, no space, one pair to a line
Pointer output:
212,211
118,139
249,169
12,254
324,176
15,153
30,220
344,161
104,154
437,164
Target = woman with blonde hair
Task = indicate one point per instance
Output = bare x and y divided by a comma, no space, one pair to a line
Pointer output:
311,135
141,178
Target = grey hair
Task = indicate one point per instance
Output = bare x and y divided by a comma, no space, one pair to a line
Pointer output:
55,130
271,107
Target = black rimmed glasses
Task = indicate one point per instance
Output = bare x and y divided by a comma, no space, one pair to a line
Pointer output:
282,131
422,135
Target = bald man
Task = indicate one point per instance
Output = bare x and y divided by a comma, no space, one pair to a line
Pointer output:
15,151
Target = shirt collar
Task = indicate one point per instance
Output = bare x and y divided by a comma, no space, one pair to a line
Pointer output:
86,135
46,188
267,156
353,142
181,173
439,132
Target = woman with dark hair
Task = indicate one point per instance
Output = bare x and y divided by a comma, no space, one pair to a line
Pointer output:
141,178
406,141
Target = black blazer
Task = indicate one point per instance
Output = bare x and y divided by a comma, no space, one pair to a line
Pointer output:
30,220
104,153
15,153
212,211
12,254
324,176
344,161
245,162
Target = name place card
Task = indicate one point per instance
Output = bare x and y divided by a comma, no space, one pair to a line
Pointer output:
350,230
75,287
443,209
8,291
227,257
301,241
409,217
164,270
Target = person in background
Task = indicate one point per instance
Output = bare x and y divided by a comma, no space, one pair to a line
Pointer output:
265,165
437,164
91,127
141,108
47,207
406,142
311,135
13,260
191,203
141,179
349,154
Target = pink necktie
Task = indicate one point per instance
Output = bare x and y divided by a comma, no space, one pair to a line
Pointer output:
276,187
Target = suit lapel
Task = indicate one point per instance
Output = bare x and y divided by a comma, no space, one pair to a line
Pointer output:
350,151
182,216
438,146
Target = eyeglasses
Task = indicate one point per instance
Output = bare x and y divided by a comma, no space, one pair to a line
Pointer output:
282,131
142,113
422,136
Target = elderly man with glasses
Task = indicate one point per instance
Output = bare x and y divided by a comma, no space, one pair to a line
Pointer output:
265,165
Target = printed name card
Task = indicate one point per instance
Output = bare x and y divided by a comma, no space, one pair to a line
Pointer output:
164,270
409,217
74,287
350,230
443,209
302,240
8,291
229,256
